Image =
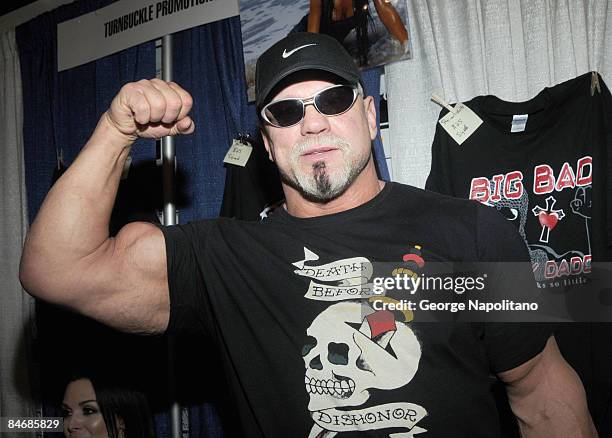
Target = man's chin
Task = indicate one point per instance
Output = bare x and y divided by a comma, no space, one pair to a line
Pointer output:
324,193
314,192
321,198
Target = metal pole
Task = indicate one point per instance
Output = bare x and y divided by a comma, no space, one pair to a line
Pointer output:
168,174
168,155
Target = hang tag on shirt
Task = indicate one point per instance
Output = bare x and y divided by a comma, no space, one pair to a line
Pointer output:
238,153
519,122
460,123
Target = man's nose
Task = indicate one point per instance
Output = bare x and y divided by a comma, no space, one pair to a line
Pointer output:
314,122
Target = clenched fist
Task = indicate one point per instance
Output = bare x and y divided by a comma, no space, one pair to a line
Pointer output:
151,109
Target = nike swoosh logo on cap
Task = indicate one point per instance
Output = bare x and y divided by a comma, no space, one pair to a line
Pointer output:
291,52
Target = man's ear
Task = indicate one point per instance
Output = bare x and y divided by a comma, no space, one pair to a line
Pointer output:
370,112
267,144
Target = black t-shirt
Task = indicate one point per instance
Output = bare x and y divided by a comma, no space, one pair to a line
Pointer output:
550,177
305,354
249,190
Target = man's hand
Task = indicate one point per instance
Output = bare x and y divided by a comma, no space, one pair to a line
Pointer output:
151,109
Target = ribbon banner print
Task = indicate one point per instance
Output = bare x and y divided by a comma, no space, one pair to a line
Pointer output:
339,280
391,415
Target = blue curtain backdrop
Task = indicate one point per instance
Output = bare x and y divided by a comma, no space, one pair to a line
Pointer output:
208,64
62,109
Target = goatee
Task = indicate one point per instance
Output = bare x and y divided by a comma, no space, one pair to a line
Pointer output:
321,184
321,178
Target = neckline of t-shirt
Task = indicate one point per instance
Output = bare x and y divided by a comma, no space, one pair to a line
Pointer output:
550,100
283,216
543,102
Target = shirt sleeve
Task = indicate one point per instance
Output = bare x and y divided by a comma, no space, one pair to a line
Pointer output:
185,252
511,344
508,344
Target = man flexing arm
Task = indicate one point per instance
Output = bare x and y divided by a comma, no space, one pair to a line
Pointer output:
69,258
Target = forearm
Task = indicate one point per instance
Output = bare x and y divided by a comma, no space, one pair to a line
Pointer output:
72,222
314,16
391,19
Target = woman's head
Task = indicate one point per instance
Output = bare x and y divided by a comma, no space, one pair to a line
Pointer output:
93,408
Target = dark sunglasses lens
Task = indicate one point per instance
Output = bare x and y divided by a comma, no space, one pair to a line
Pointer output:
285,112
335,100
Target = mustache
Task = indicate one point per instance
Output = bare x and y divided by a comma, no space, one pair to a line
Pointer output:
322,140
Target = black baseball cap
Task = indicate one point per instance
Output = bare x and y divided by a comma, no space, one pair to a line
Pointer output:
302,51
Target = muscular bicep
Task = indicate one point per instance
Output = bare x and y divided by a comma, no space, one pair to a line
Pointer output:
533,368
539,378
125,281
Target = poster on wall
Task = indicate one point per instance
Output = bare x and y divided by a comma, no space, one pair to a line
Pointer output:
375,32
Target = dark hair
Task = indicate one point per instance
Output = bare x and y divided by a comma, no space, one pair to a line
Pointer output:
121,402
362,17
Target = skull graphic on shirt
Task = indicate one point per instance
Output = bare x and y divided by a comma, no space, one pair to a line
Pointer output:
352,349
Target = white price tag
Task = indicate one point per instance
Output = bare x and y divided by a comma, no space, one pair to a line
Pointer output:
460,123
238,153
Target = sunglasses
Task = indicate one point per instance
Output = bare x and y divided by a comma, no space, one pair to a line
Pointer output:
331,101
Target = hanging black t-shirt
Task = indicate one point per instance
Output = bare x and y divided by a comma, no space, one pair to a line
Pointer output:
249,190
550,177
307,357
